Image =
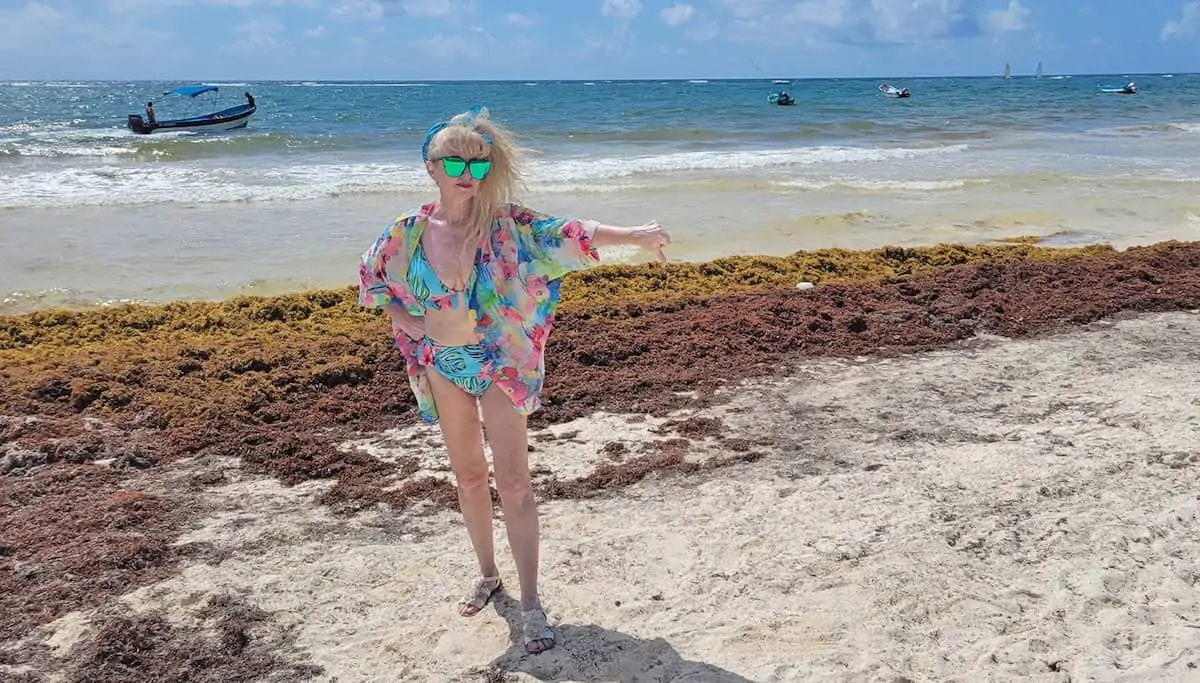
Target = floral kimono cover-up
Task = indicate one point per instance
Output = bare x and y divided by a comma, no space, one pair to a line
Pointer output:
520,268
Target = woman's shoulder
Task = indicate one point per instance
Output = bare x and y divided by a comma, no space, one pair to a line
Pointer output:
514,212
414,214
503,218
403,223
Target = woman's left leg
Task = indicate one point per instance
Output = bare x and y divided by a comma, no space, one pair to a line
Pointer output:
508,437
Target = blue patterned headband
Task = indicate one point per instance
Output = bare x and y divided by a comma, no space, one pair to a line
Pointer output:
472,114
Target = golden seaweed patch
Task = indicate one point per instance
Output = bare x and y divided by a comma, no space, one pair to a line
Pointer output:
184,364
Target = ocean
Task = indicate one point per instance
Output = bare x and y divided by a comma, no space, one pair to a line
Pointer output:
91,214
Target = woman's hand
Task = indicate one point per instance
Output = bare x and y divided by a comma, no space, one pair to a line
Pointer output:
403,321
651,237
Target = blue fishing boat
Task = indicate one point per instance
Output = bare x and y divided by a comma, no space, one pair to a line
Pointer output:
224,119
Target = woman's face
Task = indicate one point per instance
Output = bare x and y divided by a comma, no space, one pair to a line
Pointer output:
456,172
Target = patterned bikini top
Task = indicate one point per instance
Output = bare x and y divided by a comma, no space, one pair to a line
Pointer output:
429,290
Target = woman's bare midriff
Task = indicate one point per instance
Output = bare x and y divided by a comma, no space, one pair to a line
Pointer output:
451,327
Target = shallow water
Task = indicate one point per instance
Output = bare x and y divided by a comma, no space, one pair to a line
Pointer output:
90,213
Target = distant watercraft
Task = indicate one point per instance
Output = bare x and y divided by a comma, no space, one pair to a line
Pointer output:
1007,71
1039,71
225,119
893,91
1127,89
782,98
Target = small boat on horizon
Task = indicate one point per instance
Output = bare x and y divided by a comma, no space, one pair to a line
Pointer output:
781,96
229,118
1128,89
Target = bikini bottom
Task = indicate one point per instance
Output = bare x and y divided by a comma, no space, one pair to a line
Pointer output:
469,366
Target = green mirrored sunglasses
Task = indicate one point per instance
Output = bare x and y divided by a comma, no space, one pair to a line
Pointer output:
454,167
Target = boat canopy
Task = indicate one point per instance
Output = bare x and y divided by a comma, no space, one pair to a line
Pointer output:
192,90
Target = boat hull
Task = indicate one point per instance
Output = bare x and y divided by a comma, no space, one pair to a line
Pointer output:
226,119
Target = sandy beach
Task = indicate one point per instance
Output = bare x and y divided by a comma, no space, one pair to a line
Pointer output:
925,468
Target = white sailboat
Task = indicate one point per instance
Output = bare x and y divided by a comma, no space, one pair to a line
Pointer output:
1039,71
1007,71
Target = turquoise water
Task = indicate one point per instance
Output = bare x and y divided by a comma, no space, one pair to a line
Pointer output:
91,213
65,144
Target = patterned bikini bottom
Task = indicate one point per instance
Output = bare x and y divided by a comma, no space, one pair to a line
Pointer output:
469,366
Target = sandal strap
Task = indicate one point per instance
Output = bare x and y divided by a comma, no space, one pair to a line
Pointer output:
536,626
481,591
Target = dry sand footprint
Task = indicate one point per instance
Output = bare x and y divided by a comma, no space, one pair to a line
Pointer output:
1023,511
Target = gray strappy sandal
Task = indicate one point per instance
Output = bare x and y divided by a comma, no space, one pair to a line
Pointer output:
481,591
536,629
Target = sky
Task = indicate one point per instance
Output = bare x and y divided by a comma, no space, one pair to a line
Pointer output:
589,39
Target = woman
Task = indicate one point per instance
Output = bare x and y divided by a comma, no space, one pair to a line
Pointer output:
470,282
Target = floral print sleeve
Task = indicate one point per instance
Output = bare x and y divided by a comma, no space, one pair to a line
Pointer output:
555,246
375,287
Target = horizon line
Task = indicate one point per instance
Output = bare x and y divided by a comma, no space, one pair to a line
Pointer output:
590,80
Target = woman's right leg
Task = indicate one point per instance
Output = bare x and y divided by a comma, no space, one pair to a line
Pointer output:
458,417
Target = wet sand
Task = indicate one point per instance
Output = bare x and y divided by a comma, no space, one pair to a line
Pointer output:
980,471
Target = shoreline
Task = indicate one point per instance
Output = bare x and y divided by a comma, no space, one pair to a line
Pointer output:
620,264
161,252
141,416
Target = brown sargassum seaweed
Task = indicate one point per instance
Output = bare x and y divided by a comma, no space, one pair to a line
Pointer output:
279,382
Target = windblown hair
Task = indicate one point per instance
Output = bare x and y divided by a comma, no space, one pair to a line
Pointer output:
465,137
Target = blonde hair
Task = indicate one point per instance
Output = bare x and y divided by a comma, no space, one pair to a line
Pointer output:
474,135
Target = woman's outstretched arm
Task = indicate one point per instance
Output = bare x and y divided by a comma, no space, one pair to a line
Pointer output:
649,236
566,244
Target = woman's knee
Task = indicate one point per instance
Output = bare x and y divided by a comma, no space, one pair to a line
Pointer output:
465,449
515,488
471,473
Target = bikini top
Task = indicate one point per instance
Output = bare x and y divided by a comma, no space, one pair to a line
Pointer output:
429,290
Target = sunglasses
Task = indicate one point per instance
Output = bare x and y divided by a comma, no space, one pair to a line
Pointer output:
454,167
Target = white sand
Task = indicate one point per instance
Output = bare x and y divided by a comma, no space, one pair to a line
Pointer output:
1019,511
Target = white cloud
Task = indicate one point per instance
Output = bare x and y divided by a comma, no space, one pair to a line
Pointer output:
50,38
42,25
521,20
255,35
29,23
853,21
123,6
316,32
437,8
41,28
358,9
1185,26
1014,18
827,13
374,10
679,13
621,9
746,9
452,46
142,6
702,33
